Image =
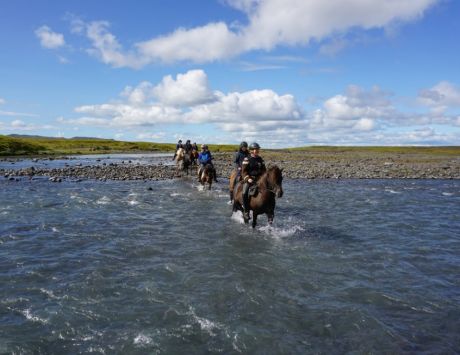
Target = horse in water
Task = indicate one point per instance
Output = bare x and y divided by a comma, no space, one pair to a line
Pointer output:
193,157
207,175
182,161
232,182
263,201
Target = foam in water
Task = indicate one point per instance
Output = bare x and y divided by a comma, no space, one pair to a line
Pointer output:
281,232
103,201
28,314
142,340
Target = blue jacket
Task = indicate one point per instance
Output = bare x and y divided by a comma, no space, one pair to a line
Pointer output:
205,157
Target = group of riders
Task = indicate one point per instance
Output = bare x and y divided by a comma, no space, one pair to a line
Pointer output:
249,165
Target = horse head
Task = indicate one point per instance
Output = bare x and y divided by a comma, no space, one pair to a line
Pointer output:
275,180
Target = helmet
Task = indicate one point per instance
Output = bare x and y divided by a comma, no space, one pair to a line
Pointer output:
254,146
243,144
180,141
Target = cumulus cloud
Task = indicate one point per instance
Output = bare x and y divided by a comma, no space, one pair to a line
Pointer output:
297,22
187,89
2,101
355,116
356,109
440,97
48,38
188,99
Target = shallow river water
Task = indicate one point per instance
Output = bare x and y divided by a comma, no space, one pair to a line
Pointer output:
349,266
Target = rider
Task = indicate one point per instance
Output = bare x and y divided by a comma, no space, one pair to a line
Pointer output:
188,146
205,158
239,157
252,169
178,145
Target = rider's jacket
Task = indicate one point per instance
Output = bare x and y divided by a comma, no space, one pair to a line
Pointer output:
252,167
205,157
239,157
188,147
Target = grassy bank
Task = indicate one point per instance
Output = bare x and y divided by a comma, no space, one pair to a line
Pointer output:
15,146
10,146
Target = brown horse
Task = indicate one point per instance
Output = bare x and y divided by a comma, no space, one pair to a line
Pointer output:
193,157
269,186
182,161
232,182
207,175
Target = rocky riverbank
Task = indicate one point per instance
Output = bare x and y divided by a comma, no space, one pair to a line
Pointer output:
296,164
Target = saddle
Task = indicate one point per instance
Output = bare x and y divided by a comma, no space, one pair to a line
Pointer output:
253,190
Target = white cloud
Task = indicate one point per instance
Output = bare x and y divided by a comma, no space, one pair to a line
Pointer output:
270,23
188,99
20,125
14,114
440,97
298,21
151,136
188,89
201,44
357,109
356,116
107,48
48,38
2,101
250,106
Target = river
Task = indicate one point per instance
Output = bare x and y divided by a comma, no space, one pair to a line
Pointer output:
349,266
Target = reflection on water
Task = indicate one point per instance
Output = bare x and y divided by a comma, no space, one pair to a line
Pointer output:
348,266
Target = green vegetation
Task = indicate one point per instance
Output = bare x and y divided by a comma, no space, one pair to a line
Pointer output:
35,145
55,146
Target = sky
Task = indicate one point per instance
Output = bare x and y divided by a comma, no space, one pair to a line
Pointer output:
284,73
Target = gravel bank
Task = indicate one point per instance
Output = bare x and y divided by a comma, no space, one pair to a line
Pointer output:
296,165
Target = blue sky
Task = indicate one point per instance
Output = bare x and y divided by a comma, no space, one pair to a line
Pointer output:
281,72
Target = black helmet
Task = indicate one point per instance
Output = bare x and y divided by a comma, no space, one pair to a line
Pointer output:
243,144
180,141
254,146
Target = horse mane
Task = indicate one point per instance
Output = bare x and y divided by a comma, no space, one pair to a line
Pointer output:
264,179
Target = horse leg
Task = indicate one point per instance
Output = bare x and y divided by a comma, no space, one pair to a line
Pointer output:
254,219
270,217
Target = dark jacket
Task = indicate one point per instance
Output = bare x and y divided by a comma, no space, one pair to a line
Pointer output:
239,157
252,167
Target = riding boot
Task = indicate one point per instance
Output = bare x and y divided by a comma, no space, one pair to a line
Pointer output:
246,201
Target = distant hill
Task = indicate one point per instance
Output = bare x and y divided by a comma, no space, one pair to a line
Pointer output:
31,136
